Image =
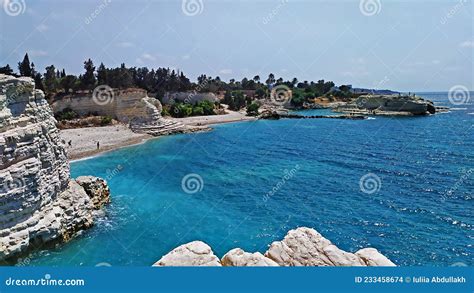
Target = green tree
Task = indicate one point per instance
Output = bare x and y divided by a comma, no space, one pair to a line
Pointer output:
68,83
101,74
6,70
50,79
25,66
88,79
270,80
39,81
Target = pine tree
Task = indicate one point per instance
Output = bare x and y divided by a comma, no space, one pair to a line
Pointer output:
50,79
88,79
101,74
6,70
39,81
24,66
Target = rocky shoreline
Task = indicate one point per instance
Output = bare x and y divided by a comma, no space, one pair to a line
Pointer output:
300,247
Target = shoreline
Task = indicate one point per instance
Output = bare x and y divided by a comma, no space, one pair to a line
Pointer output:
83,140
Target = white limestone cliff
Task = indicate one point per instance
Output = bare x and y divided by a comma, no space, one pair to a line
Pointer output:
38,201
130,106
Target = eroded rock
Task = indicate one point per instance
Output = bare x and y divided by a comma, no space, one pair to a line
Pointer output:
372,257
97,190
239,258
306,247
300,247
196,253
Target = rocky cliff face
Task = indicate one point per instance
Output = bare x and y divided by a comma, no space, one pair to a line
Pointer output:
38,201
389,105
300,247
131,106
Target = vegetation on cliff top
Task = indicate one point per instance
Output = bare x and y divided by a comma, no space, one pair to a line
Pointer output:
238,94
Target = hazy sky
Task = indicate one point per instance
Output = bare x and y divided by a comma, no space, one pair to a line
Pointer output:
401,45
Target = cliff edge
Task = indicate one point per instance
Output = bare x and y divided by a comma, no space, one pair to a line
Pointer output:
39,203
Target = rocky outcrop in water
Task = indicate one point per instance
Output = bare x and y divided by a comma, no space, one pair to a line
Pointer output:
300,247
388,105
97,190
39,203
130,106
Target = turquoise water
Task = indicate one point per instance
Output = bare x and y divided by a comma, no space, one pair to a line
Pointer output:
419,214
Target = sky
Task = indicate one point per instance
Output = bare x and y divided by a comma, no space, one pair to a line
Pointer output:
398,45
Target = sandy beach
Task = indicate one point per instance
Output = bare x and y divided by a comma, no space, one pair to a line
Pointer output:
83,141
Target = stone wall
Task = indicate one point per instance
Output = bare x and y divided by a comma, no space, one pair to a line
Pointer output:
38,201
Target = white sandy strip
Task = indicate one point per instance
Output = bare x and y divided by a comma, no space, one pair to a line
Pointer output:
84,140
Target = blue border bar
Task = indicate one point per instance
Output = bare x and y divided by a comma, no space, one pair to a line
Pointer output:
226,279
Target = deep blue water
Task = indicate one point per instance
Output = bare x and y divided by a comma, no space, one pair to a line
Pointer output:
422,213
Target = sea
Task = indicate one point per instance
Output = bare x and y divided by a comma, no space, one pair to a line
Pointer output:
403,185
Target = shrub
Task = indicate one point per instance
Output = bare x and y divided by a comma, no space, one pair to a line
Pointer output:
106,120
252,109
198,111
66,114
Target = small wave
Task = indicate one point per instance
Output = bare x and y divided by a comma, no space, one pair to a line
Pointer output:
371,118
470,113
458,109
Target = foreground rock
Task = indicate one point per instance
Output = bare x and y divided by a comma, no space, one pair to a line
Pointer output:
239,258
39,203
306,247
372,257
300,247
402,105
195,253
